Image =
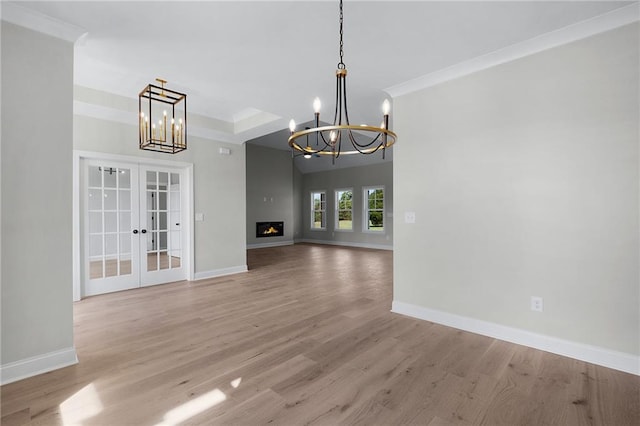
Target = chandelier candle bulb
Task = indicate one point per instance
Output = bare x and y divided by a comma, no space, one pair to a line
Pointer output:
141,125
386,107
164,126
181,133
292,126
316,105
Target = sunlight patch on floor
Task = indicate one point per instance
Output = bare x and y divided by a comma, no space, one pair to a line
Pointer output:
82,405
235,383
192,408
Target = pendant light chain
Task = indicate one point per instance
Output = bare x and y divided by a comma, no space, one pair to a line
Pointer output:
341,64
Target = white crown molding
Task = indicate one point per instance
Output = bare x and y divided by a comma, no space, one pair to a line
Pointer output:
599,24
628,363
11,12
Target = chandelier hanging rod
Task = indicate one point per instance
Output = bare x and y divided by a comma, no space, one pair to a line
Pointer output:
161,94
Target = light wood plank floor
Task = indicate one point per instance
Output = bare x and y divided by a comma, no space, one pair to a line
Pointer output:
305,337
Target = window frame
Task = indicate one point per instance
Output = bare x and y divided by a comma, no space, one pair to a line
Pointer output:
366,210
336,210
313,211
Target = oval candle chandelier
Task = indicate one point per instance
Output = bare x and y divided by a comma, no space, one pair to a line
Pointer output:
355,139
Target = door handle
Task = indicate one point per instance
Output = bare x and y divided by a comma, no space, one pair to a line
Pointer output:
135,231
144,231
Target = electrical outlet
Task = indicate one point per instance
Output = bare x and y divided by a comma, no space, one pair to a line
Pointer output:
536,303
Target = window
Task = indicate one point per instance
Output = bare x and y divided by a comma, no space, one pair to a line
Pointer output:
374,209
318,210
344,210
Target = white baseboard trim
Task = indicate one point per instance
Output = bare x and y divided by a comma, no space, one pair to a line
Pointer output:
220,272
593,354
28,367
347,244
274,244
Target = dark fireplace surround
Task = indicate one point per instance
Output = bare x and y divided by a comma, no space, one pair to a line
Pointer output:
269,229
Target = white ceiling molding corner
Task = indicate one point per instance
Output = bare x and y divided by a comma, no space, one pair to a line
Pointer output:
599,24
265,129
28,18
256,119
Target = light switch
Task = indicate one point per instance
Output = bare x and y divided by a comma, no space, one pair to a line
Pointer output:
409,217
199,217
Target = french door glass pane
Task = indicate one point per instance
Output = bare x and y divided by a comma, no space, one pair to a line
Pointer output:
124,199
163,180
110,200
95,199
124,179
110,177
95,222
111,221
125,222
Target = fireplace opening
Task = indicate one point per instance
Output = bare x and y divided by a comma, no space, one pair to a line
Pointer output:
269,229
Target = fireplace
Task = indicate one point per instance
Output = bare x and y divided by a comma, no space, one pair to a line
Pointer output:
269,229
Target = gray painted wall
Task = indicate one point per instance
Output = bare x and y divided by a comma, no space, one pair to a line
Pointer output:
356,178
269,192
37,128
524,180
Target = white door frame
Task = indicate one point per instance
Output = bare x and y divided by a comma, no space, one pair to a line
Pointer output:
78,157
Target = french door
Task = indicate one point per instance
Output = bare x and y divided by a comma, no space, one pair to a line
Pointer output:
133,226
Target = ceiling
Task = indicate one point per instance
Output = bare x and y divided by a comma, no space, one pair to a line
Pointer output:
263,62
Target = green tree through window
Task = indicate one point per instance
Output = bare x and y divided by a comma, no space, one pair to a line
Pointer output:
374,209
318,210
344,209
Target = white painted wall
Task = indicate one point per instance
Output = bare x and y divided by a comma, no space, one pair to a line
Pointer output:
37,117
524,179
